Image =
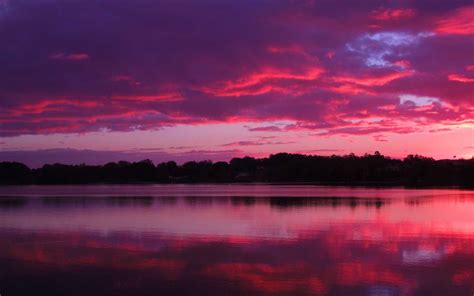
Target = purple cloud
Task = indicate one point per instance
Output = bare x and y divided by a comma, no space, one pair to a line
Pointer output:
141,65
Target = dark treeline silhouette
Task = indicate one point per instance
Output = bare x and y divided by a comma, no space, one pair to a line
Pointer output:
370,169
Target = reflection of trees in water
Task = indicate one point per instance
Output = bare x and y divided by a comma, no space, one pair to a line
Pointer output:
248,201
90,201
130,200
12,202
417,201
66,201
199,200
166,200
288,202
243,200
421,200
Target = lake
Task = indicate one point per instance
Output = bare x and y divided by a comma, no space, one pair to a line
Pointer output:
235,240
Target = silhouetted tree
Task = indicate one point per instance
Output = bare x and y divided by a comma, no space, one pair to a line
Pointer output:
14,173
369,169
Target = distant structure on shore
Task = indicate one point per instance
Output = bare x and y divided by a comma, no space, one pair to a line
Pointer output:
370,169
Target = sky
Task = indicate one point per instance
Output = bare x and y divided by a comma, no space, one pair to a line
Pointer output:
99,81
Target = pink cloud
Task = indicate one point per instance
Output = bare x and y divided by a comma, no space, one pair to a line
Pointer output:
380,138
44,106
392,14
459,22
460,78
171,96
261,82
70,56
439,130
313,66
258,143
270,128
372,80
319,151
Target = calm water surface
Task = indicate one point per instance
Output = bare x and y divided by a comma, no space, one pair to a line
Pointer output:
235,240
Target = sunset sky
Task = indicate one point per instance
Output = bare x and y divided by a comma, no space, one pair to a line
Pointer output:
97,81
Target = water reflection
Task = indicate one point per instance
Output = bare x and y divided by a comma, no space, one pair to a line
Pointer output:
394,242
12,202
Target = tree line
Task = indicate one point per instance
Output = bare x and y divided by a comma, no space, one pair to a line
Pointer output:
369,169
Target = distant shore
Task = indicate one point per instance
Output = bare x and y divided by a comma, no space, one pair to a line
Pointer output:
369,170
